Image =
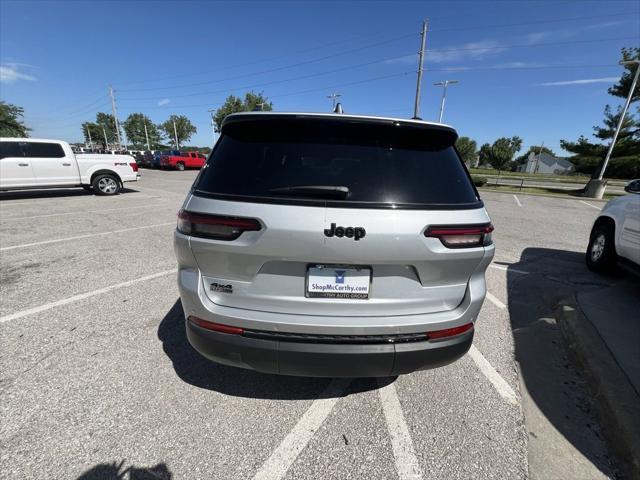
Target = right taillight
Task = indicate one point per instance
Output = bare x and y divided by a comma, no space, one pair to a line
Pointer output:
217,227
462,236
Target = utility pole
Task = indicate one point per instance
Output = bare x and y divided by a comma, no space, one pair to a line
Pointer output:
213,125
106,142
175,133
444,84
595,187
90,139
334,97
147,136
416,106
115,116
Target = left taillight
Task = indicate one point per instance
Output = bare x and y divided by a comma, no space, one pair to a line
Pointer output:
462,236
134,165
217,227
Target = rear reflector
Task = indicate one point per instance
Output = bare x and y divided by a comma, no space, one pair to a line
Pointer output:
462,236
449,332
216,327
134,165
216,227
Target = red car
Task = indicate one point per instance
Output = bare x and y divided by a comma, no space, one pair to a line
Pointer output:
183,160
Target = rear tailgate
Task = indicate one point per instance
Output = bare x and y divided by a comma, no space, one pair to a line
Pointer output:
401,180
267,269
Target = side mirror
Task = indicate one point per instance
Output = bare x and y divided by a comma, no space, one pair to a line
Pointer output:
633,186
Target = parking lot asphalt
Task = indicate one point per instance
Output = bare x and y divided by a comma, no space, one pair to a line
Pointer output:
97,376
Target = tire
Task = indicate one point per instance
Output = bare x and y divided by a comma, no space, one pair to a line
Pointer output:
180,166
106,184
601,253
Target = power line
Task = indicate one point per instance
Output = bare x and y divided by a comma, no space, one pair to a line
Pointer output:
271,70
273,82
460,70
344,52
365,64
264,60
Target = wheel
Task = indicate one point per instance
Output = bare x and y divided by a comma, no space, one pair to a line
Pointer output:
180,166
601,252
106,185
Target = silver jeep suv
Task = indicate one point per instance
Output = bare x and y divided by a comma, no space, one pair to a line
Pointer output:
332,245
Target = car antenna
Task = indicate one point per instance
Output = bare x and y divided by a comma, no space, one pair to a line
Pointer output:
338,108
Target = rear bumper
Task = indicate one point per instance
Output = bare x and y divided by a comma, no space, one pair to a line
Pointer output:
326,360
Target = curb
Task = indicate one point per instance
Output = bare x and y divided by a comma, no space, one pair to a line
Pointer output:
618,402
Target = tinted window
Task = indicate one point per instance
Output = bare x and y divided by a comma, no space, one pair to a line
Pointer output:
10,149
382,165
43,150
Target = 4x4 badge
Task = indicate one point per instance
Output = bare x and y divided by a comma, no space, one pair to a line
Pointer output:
350,232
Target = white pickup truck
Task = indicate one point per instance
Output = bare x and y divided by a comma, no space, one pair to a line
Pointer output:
27,163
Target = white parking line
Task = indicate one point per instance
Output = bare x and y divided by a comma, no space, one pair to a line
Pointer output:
88,235
404,453
81,212
591,205
517,201
82,296
509,269
84,198
496,302
283,457
500,384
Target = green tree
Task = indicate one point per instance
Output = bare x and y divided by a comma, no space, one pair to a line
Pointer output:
500,154
252,101
588,156
92,133
468,150
621,89
104,125
184,129
134,129
11,123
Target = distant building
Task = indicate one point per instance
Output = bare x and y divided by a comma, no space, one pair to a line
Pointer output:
546,163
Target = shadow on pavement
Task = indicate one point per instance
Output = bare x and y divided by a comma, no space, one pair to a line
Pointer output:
114,471
196,370
53,193
558,389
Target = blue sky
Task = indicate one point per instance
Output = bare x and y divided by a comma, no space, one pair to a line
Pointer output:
538,69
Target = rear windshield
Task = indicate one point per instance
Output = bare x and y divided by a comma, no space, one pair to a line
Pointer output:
383,165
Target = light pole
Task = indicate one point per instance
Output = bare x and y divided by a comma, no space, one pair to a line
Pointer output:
444,86
175,133
213,125
146,135
595,187
334,97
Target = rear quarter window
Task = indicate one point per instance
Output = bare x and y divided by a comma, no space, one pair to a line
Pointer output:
388,165
10,149
43,150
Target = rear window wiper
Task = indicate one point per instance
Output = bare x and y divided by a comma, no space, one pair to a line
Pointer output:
319,191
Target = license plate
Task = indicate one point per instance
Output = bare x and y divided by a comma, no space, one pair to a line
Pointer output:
334,281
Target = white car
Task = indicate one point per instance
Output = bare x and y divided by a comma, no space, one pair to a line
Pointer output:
616,232
27,163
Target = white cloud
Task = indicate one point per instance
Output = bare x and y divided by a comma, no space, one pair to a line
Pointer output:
163,102
582,81
466,51
535,37
10,73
